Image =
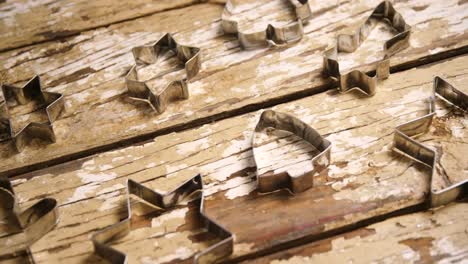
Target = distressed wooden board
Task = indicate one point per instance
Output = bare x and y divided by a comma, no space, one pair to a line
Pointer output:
26,22
89,70
366,179
427,237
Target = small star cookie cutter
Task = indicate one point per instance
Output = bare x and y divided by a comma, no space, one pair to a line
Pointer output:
31,224
272,181
166,201
406,145
31,91
363,81
275,36
149,54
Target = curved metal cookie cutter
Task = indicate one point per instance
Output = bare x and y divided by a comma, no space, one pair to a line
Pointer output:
149,54
166,201
349,43
30,225
31,91
295,182
276,36
405,144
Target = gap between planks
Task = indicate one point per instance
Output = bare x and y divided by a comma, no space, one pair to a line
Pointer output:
62,34
224,115
160,165
251,105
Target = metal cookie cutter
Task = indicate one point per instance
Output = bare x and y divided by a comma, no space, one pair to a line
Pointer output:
166,201
29,225
404,142
276,36
149,54
31,91
349,43
271,180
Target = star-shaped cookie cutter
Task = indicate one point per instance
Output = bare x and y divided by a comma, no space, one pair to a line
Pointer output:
166,201
271,181
276,36
29,92
363,81
405,144
149,54
31,224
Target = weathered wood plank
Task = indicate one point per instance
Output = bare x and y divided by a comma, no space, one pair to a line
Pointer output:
366,179
89,70
427,237
26,22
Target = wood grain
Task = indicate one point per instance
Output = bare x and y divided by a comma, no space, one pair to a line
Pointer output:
28,22
365,180
88,69
427,237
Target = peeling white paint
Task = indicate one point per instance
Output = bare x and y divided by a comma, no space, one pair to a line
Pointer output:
177,213
180,253
241,190
81,193
192,146
87,177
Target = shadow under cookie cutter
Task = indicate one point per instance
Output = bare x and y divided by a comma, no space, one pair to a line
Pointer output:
271,181
166,201
349,43
405,144
148,54
31,91
276,36
32,224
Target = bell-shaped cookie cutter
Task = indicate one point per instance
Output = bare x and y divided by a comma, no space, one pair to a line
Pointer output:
32,224
271,181
148,54
31,91
276,36
405,144
166,201
349,43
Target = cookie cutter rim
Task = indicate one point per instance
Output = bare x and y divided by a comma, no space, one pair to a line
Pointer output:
34,222
165,201
29,92
177,89
405,144
356,79
268,182
275,36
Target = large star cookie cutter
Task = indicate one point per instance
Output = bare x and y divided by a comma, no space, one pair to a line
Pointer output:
149,54
276,36
294,181
405,144
166,201
31,91
349,43
29,225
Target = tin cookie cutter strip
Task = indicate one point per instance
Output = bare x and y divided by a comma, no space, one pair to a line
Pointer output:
166,201
276,36
366,83
32,224
149,54
31,91
271,181
405,144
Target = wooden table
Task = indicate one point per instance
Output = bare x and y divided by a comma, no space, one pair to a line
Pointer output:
365,207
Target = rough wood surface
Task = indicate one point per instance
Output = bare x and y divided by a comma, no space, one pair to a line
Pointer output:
429,237
26,22
89,70
365,180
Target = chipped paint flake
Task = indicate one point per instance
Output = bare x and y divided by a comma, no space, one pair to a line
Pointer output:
241,190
